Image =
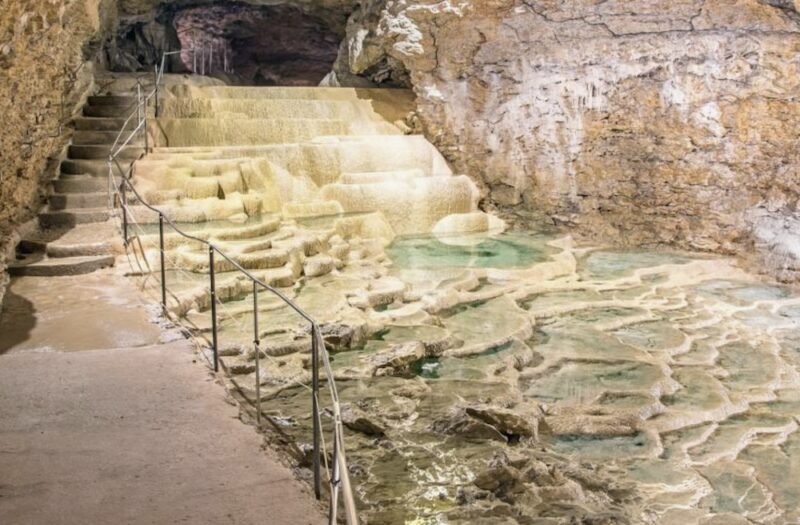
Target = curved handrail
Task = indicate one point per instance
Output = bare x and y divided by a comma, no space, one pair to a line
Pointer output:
340,475
235,264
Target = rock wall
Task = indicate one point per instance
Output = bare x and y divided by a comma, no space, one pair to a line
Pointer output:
44,75
149,27
262,45
639,121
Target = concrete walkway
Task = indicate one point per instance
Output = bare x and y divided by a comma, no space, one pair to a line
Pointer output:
138,433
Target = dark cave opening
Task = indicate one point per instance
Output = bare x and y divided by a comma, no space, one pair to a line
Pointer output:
240,43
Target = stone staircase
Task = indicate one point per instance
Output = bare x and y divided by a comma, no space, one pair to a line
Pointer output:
75,232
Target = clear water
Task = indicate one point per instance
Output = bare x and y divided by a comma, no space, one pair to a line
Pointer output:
508,250
684,385
612,264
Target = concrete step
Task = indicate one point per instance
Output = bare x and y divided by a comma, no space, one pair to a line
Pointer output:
88,137
98,124
108,111
112,100
38,265
61,250
80,184
67,201
74,241
56,218
102,151
93,167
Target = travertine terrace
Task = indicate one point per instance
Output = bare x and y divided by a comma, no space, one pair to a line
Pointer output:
535,262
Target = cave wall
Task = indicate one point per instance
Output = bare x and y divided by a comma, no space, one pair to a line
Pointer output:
45,73
255,42
257,45
634,121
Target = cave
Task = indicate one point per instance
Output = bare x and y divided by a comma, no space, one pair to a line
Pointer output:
400,262
245,44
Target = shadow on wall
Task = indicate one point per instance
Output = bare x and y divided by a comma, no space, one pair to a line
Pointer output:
17,320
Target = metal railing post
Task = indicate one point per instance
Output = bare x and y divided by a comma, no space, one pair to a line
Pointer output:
138,102
257,344
155,92
213,308
110,184
333,509
144,129
163,270
340,482
315,409
123,192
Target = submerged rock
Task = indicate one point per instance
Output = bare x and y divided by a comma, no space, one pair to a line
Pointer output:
398,360
501,480
507,421
359,421
460,424
340,336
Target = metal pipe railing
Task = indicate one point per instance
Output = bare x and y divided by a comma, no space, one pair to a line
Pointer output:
319,355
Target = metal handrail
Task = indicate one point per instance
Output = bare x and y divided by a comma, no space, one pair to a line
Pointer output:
340,476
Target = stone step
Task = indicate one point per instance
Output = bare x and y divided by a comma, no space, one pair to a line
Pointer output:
89,137
92,167
108,111
67,201
38,265
98,124
102,151
51,219
80,184
62,250
74,241
112,100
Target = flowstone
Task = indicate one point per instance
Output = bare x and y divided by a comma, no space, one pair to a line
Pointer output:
487,376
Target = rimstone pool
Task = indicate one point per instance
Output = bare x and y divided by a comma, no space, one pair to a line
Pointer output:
484,377
519,378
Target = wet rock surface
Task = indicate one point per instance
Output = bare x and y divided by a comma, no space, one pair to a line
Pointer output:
654,387
490,376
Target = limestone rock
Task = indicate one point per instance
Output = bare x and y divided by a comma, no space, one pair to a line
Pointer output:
460,424
318,265
398,359
629,121
46,71
340,336
506,421
357,420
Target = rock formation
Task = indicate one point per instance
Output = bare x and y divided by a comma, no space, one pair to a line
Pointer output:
640,122
45,74
637,122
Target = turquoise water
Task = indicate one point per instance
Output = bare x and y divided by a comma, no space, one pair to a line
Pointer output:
681,380
614,264
508,250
